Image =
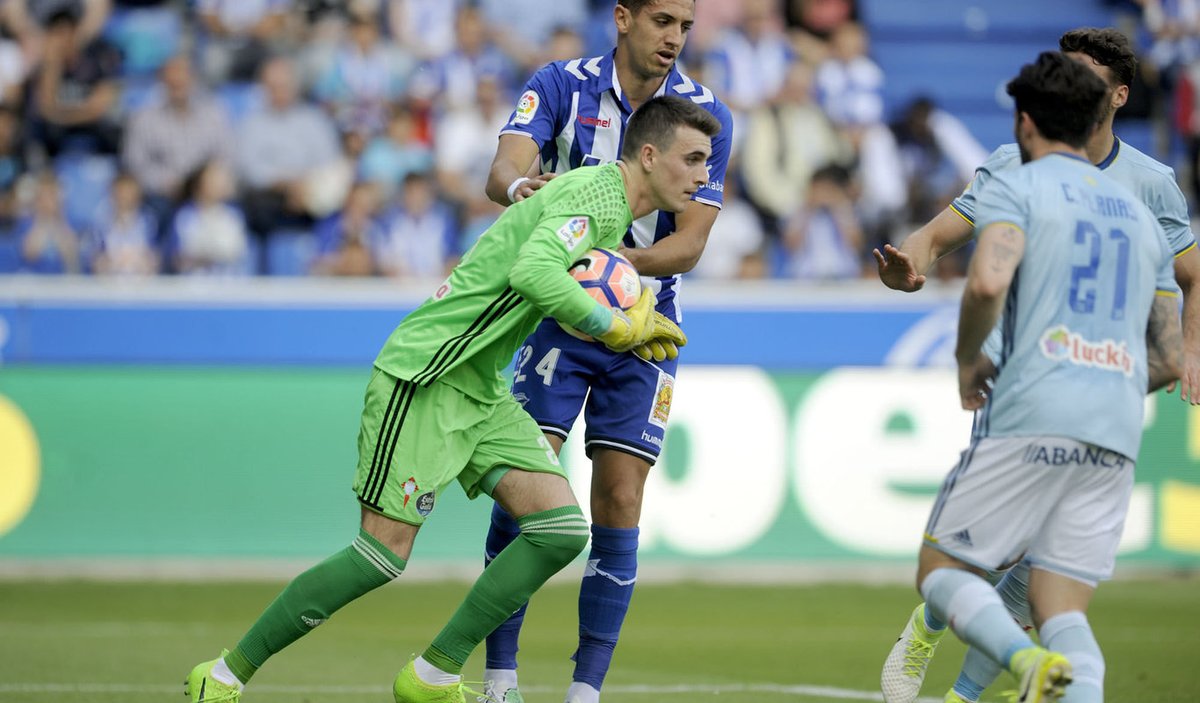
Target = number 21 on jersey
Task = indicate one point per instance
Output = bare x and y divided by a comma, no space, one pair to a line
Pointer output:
1090,243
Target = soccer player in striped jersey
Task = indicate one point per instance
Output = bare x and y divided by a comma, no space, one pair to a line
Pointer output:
572,114
438,411
1109,55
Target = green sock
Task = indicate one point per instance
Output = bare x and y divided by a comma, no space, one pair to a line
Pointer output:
311,598
549,540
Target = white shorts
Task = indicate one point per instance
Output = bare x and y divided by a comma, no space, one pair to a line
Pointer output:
1059,502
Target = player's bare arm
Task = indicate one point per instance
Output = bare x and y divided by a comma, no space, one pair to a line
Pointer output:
516,159
1164,342
679,252
1001,246
1187,275
905,268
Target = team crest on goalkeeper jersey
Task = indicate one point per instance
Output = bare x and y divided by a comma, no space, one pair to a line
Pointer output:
409,487
661,409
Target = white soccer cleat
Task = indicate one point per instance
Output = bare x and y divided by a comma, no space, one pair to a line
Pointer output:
905,666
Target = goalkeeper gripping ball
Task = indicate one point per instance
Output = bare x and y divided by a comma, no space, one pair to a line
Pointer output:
609,278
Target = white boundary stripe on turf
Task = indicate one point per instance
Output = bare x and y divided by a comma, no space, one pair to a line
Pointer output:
799,691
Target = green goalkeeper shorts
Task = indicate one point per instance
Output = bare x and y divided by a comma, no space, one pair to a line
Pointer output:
413,441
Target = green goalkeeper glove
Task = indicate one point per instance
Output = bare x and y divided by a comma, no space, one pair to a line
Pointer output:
665,343
633,327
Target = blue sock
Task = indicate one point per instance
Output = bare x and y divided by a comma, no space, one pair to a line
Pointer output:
978,672
502,643
604,599
1070,634
932,624
975,612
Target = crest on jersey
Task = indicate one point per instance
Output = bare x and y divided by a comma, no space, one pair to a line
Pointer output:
527,107
661,409
573,232
409,487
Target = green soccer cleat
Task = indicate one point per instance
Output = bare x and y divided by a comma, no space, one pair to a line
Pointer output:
904,669
952,697
409,688
1044,675
203,688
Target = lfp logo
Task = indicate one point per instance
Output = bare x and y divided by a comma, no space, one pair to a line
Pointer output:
1061,344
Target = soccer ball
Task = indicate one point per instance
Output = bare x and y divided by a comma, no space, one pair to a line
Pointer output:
609,278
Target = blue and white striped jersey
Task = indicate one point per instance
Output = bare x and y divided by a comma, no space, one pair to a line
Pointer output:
576,113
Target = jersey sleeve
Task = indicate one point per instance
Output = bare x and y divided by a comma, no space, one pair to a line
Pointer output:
1171,210
540,275
713,193
1002,201
999,160
1164,281
537,113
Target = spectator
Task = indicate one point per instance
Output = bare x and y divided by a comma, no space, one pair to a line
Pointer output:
48,243
465,143
736,242
345,239
208,235
749,64
451,78
419,236
1175,26
75,91
399,151
785,143
938,155
280,148
238,36
824,239
122,239
365,76
426,27
849,83
174,137
29,20
564,44
12,164
812,23
529,24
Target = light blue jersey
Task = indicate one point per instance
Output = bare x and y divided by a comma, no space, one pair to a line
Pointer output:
576,112
1072,361
1152,182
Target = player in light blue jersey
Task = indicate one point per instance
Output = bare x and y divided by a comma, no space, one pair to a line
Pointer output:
572,114
1108,54
1079,274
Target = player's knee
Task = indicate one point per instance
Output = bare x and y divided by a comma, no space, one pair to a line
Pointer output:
560,538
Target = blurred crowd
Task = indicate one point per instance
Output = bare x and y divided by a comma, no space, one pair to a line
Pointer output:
354,137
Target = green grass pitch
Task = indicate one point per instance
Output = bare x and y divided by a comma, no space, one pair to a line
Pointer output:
134,642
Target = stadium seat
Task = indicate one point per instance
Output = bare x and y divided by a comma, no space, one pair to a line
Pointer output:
147,37
290,252
10,253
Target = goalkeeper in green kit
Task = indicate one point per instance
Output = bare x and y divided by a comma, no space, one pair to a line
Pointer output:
437,408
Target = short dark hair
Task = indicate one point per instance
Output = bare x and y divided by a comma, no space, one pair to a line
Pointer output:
656,120
1062,97
635,6
1107,47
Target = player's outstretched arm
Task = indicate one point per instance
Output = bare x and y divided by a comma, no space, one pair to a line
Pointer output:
1187,275
904,269
515,168
1164,342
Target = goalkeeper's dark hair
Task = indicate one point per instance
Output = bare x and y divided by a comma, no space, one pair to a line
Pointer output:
635,6
1062,97
1107,47
655,123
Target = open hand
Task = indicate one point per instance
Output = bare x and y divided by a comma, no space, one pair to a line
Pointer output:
896,270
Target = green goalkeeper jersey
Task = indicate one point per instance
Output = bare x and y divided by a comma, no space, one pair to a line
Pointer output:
514,276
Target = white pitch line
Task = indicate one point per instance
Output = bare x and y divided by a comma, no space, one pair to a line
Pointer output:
799,691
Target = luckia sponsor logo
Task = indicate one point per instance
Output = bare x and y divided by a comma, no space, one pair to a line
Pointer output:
1061,344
